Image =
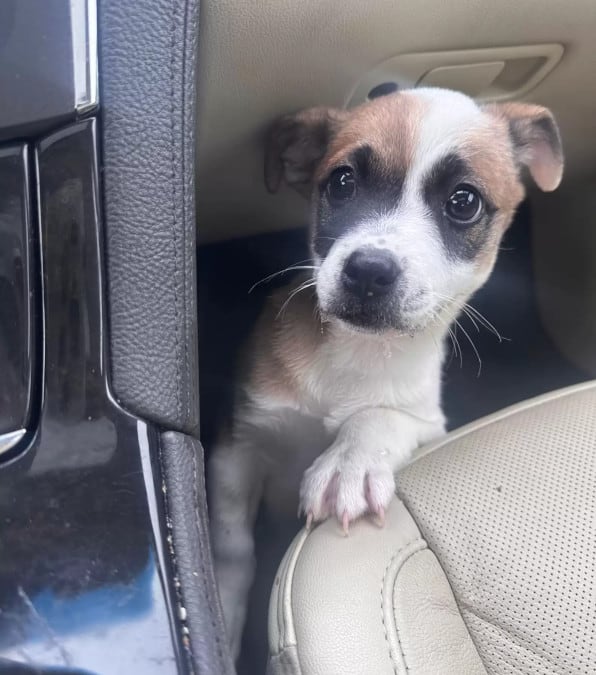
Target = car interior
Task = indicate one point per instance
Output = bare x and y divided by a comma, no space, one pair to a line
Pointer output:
258,62
137,247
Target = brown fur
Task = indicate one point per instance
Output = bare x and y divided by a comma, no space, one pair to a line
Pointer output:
283,344
388,125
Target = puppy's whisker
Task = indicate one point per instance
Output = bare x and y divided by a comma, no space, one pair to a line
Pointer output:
470,312
457,351
456,346
457,324
485,322
309,283
474,315
296,266
471,317
465,332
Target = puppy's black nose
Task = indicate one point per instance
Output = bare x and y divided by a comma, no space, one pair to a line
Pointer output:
370,272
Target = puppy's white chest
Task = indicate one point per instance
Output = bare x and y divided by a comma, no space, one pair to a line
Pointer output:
346,380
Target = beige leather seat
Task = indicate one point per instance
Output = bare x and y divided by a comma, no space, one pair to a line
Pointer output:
487,562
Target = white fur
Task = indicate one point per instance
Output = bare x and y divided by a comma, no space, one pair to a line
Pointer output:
449,116
369,399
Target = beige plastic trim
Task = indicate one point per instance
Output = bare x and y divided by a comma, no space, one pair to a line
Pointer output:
523,68
472,79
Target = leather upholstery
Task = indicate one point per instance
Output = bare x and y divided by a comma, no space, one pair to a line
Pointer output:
508,506
147,85
182,466
147,78
338,605
487,562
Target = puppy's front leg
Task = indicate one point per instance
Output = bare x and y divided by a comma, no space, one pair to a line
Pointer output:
235,479
355,475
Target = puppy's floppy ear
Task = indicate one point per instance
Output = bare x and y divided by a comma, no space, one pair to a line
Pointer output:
295,145
536,141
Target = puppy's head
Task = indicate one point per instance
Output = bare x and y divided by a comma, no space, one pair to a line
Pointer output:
410,196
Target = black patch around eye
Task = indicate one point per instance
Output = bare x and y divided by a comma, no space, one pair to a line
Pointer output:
362,160
438,186
378,191
444,176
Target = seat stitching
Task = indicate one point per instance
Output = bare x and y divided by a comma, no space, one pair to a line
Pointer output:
202,555
174,219
420,545
172,546
184,199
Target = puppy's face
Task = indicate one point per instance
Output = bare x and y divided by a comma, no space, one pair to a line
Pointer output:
410,196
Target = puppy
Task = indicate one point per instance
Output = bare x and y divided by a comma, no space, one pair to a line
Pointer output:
410,195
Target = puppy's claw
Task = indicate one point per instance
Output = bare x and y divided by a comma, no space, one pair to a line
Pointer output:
345,524
309,520
380,519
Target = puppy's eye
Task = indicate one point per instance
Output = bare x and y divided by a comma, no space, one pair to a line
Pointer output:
341,185
464,206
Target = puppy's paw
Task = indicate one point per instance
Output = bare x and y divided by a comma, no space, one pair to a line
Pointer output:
346,483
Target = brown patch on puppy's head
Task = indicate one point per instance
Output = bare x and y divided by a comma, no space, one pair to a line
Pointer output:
386,127
310,143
